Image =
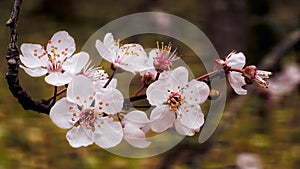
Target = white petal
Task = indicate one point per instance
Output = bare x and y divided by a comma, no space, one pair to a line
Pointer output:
75,63
110,43
196,92
157,92
34,55
134,55
109,134
161,118
191,116
177,78
152,55
77,137
34,72
138,118
236,60
109,100
183,130
58,78
135,136
63,43
236,80
62,113
180,76
81,91
105,52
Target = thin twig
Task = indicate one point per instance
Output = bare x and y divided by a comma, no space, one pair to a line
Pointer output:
139,90
110,78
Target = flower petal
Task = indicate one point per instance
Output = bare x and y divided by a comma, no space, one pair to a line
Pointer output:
81,91
196,92
34,55
161,118
183,130
191,116
105,52
58,78
109,134
133,56
177,78
109,100
110,43
62,44
157,92
135,136
138,118
77,137
75,63
62,113
236,60
34,72
236,80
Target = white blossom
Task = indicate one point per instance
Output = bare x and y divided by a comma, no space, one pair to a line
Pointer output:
57,61
129,57
88,114
177,102
236,79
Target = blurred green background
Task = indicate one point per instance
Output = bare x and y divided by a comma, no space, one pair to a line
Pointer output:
264,123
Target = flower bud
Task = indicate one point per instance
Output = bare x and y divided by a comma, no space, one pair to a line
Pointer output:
213,94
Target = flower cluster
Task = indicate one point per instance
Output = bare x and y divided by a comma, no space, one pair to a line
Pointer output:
93,106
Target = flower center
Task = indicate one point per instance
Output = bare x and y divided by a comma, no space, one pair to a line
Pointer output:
54,61
87,117
165,57
174,100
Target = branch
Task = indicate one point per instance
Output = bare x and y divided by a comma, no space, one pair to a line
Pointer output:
13,66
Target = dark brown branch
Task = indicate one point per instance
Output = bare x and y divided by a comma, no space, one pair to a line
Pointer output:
13,66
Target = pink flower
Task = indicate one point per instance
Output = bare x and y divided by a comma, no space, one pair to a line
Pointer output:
163,57
177,102
258,76
56,62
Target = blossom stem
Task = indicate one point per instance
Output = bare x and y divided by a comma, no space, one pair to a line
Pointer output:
55,95
138,97
207,75
157,76
236,70
141,106
139,90
215,72
110,78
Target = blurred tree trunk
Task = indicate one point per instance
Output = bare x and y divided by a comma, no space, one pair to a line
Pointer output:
227,25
